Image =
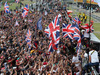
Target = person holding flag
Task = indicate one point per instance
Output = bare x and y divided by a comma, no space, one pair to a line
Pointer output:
53,32
25,11
39,26
6,8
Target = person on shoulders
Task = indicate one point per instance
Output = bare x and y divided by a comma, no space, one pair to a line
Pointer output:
93,59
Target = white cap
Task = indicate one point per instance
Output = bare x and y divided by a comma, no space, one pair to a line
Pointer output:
14,67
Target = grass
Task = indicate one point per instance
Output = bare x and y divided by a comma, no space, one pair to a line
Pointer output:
27,2
13,6
96,27
97,35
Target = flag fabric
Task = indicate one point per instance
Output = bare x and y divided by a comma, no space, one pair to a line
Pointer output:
53,32
76,19
72,31
69,11
77,37
39,26
25,11
67,31
16,24
87,29
6,8
17,1
35,45
28,38
97,1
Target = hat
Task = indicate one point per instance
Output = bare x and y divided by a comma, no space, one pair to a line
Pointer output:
44,63
14,67
32,51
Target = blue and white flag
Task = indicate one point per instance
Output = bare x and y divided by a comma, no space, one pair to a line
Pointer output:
39,26
97,1
16,24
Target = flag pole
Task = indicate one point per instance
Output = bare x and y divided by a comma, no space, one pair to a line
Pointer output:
89,29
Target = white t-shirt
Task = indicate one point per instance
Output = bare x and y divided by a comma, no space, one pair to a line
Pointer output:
86,34
94,56
75,59
86,55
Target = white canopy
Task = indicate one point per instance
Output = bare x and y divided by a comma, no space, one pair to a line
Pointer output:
94,38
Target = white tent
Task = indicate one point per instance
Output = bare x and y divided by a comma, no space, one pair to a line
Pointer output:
94,38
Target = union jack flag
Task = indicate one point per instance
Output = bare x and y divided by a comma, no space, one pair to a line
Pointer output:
28,38
67,31
77,21
53,32
77,37
17,1
88,28
25,11
35,45
6,8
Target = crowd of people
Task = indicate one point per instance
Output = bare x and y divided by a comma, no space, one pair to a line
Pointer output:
17,59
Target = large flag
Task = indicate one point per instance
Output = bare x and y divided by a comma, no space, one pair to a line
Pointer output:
39,26
6,8
67,31
25,11
77,37
87,29
53,32
17,1
16,24
72,32
28,38
97,1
